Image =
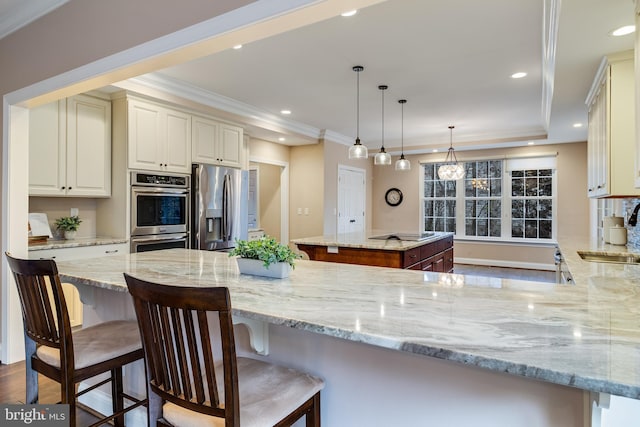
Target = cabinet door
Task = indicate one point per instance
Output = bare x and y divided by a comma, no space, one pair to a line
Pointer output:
177,145
88,147
204,140
230,145
47,150
144,135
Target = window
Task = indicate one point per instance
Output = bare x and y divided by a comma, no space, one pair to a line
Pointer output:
532,203
439,201
483,198
511,199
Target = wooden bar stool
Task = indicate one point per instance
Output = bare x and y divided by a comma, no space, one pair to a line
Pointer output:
193,374
69,358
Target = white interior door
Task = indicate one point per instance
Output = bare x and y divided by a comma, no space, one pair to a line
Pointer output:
351,199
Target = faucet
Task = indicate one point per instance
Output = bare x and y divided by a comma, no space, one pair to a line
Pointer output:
633,219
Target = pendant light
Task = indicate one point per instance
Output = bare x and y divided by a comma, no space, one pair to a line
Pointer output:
402,164
357,150
382,158
451,170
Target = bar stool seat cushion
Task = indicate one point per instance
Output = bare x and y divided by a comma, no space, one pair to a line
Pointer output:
98,343
267,392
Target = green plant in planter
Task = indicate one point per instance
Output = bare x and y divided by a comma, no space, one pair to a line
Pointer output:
68,223
266,249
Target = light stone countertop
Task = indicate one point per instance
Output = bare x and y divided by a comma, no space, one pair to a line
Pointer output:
585,335
76,243
363,240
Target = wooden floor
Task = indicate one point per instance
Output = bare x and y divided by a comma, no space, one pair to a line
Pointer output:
12,390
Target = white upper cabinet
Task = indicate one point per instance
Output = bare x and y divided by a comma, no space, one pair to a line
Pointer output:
216,143
159,138
70,148
611,134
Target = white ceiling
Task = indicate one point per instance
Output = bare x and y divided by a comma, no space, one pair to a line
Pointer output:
451,60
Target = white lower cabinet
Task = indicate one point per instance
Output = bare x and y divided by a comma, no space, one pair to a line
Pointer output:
71,295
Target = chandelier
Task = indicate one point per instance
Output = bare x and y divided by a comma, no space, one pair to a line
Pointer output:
451,170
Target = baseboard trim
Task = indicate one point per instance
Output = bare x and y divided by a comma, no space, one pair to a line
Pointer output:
503,263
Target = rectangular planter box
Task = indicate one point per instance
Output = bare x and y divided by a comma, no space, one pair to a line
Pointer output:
256,267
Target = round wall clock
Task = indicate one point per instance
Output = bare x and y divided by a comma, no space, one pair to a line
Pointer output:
393,197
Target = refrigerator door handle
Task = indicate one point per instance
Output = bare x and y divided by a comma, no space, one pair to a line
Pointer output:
226,208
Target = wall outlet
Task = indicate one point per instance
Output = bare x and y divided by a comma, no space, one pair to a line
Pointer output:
299,211
74,212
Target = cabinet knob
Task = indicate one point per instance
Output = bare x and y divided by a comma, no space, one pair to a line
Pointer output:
63,188
70,188
600,186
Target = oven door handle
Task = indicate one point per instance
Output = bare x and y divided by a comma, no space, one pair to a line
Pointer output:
163,238
149,190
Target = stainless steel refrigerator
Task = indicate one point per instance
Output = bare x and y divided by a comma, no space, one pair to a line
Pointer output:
219,205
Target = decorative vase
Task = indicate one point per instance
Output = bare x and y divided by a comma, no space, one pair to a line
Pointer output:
70,234
255,267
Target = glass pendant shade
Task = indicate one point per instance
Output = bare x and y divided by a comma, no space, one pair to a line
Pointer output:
451,170
402,164
382,158
357,150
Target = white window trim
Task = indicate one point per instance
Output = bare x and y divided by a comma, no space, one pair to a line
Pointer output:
505,201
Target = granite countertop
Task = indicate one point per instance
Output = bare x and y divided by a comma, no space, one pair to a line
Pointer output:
585,335
363,240
76,243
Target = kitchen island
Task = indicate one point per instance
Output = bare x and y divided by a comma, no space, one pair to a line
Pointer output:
522,352
430,251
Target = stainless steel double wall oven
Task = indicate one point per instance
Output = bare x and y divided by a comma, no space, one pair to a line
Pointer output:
160,211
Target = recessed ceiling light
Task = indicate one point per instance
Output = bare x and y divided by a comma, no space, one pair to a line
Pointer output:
518,75
281,139
238,46
531,143
349,13
577,125
285,112
435,150
623,31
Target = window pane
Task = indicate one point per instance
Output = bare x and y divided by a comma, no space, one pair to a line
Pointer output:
469,189
470,227
517,174
428,172
531,229
483,170
450,224
428,189
495,227
545,229
530,172
428,223
545,187
517,187
450,208
438,208
439,188
545,209
495,169
531,208
438,224
495,210
517,228
482,209
482,225
428,208
469,209
517,208
545,172
531,185
495,187
450,188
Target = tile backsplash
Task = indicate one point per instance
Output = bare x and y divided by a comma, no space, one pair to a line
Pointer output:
633,233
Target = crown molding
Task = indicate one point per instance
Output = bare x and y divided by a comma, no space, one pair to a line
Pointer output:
245,112
336,137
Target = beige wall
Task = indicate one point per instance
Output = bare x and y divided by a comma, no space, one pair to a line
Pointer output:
56,207
306,189
573,204
270,198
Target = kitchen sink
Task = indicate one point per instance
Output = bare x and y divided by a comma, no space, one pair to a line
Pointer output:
615,258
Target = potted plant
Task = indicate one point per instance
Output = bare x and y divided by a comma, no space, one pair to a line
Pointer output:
68,225
264,257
